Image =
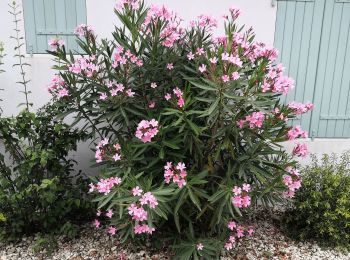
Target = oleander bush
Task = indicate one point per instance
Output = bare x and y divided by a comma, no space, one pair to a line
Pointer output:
187,126
39,190
321,209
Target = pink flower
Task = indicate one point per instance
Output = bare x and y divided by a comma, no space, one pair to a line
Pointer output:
149,199
136,191
146,130
255,120
190,56
235,12
240,232
105,185
116,157
250,231
177,174
228,246
300,108
98,213
103,96
153,85
246,201
202,68
117,147
130,93
231,225
55,44
169,66
213,60
200,246
225,78
167,96
237,201
91,187
296,132
96,223
246,187
300,150
112,230
200,51
236,190
109,213
240,123
152,104
137,213
139,229
235,75
82,29
63,93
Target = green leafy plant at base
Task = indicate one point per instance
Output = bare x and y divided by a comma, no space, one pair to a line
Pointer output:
321,209
39,191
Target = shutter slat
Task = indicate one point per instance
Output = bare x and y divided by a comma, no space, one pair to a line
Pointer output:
45,19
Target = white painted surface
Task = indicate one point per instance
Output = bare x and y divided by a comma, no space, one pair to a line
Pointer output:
256,13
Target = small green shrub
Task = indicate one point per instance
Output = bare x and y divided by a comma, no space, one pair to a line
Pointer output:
39,192
322,206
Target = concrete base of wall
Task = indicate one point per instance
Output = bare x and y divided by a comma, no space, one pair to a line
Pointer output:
321,146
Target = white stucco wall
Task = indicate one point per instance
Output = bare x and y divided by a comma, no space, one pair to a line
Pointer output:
259,14
100,15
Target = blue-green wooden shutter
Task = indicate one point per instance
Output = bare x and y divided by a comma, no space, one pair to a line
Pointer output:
331,116
313,37
45,19
298,30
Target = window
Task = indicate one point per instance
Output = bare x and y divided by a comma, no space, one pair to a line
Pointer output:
45,19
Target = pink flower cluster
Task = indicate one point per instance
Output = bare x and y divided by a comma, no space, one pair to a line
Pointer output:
144,228
85,66
138,213
277,112
292,181
146,130
178,94
177,173
300,150
105,185
55,43
83,29
171,31
237,233
255,120
104,150
235,12
57,87
204,21
300,108
111,229
115,89
241,198
122,57
133,4
296,132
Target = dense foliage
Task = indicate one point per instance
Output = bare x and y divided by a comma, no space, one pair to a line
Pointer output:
39,191
321,209
187,126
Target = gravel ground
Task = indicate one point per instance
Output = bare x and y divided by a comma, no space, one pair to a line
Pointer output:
267,243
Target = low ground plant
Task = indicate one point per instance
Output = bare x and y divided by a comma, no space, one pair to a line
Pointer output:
39,191
321,209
